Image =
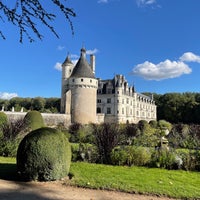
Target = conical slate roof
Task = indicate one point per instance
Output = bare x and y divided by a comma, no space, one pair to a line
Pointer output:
67,60
82,68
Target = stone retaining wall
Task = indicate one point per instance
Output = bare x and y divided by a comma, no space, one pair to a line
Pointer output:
50,119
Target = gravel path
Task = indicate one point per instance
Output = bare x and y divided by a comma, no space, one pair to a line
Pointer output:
12,190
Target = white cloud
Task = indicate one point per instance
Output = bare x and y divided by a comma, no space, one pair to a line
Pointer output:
6,95
102,1
94,51
58,66
162,70
60,48
190,57
145,2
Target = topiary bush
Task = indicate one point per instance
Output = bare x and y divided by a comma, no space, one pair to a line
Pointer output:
44,155
33,120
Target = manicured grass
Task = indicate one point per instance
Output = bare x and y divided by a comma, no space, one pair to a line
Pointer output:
7,160
178,184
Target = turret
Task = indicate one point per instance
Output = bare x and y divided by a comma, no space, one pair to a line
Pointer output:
67,68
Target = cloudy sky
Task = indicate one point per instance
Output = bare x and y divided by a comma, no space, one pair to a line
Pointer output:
154,43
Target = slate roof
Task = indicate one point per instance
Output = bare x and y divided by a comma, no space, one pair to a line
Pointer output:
67,60
82,68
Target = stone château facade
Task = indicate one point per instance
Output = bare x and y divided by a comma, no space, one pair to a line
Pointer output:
120,103
87,99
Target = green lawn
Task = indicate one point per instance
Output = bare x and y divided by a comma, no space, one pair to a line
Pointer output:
179,184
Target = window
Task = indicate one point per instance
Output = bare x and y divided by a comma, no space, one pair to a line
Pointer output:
142,114
122,110
122,101
109,100
82,80
98,110
127,101
90,81
98,100
108,110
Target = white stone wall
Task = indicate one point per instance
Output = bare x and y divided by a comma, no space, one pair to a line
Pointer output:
50,119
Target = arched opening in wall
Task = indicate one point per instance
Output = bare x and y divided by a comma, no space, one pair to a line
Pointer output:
98,110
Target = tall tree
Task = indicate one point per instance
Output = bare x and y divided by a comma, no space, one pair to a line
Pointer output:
26,13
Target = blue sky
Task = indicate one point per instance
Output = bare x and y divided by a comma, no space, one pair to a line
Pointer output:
154,43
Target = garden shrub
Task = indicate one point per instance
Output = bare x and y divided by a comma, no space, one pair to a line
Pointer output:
9,131
163,158
119,156
139,156
8,148
74,132
33,120
84,152
3,120
190,158
197,158
153,123
44,154
75,152
130,155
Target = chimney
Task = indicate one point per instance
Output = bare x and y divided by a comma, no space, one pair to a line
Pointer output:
92,62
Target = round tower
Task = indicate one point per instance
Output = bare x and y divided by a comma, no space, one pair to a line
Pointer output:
67,68
82,92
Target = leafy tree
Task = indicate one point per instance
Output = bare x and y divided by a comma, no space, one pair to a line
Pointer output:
179,107
25,14
4,103
53,104
38,103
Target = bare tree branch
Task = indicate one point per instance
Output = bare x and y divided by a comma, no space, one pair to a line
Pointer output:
26,13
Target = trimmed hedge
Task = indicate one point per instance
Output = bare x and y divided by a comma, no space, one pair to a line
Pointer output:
44,155
33,120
